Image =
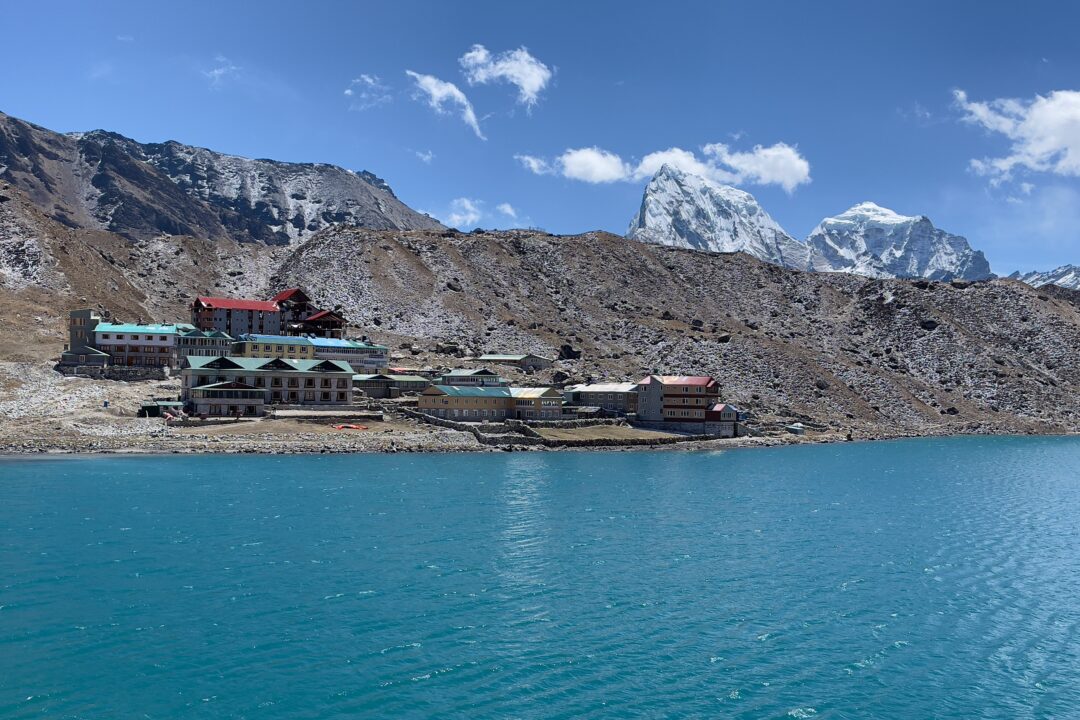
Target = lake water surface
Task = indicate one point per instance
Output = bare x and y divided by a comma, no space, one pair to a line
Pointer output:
913,579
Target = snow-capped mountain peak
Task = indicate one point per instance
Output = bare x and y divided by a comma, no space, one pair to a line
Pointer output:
869,239
686,210
1067,276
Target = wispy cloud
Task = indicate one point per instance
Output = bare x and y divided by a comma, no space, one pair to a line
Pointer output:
516,67
125,38
367,91
779,164
1044,132
440,93
507,209
223,70
464,213
425,156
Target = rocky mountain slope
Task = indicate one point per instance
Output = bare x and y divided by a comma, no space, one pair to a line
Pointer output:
104,181
680,209
870,240
1067,276
877,355
843,351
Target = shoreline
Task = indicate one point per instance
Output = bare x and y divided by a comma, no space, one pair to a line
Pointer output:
439,443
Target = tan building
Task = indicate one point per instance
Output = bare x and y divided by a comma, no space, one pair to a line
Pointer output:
273,346
536,403
287,382
615,397
471,403
228,399
389,386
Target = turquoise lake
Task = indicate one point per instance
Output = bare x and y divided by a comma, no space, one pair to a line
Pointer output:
913,579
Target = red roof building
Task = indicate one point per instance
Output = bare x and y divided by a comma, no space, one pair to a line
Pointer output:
676,398
236,316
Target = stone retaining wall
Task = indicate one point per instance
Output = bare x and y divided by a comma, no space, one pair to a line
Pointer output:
114,372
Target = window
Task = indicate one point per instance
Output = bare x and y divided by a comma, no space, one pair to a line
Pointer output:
105,336
309,382
326,397
309,394
342,382
341,396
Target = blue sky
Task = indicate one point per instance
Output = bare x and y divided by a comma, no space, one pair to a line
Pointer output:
812,107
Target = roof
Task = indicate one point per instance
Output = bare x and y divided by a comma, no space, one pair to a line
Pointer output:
150,329
234,304
466,372
322,314
604,388
334,342
703,380
286,294
207,334
280,339
197,362
391,378
507,358
534,392
721,407
469,391
162,403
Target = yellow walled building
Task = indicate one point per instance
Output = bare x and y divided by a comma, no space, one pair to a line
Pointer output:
274,346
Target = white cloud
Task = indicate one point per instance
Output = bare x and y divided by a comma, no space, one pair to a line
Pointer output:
1045,133
535,165
223,70
464,213
125,38
779,164
439,93
517,67
367,91
593,165
425,156
507,209
685,161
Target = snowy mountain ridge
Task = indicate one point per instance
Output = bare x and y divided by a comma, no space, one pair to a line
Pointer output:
1067,276
685,210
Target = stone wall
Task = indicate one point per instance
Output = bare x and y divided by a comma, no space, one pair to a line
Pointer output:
114,372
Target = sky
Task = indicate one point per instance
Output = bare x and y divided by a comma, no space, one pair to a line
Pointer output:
553,115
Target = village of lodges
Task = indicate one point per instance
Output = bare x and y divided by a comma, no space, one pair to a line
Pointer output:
240,358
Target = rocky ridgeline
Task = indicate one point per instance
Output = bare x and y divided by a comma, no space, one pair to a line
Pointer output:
879,355
104,181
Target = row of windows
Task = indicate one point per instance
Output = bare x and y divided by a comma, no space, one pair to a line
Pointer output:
309,395
121,336
260,381
147,349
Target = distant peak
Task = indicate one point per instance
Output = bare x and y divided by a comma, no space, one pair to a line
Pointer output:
868,210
